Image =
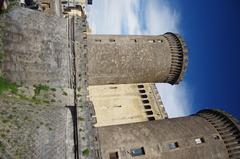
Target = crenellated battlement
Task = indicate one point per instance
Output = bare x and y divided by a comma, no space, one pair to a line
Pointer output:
179,57
228,128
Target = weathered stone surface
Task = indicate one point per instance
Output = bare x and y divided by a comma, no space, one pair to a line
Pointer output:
34,126
155,137
124,103
35,48
121,59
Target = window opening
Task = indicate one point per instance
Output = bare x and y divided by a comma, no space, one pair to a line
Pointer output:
147,106
112,40
149,112
98,40
151,118
114,155
199,140
145,101
151,41
142,91
138,152
173,145
144,96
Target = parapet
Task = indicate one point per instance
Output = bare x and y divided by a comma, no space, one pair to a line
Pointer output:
228,128
179,54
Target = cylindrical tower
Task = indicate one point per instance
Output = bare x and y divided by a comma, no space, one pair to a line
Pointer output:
209,134
120,59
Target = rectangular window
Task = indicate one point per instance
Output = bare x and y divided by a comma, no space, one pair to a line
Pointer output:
144,96
141,86
142,91
98,40
112,40
145,101
147,106
138,152
113,155
199,140
151,118
149,112
133,40
173,145
151,41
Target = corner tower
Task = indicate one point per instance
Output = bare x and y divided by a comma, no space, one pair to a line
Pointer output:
209,134
121,59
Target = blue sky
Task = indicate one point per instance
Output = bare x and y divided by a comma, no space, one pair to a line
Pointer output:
211,30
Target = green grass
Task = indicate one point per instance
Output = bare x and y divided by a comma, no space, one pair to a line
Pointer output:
3,136
30,99
36,100
2,147
39,88
1,55
5,85
53,89
86,152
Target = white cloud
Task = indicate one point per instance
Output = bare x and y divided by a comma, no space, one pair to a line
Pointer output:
161,18
108,17
177,99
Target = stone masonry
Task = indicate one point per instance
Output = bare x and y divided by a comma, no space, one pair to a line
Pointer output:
122,59
52,60
36,48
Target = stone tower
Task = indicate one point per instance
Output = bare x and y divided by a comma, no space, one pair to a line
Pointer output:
121,59
49,115
209,134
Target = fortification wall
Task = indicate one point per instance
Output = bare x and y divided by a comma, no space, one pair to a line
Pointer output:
34,126
35,48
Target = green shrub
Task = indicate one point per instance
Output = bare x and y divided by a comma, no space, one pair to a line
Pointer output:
86,152
2,147
39,88
53,89
5,85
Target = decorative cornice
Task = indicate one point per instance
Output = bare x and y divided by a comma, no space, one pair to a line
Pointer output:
179,58
228,128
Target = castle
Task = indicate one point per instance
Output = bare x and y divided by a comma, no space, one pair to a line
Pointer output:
79,95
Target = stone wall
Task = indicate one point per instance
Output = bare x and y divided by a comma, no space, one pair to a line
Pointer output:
35,48
126,103
35,51
35,126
